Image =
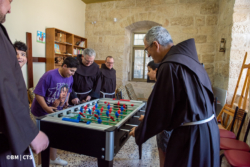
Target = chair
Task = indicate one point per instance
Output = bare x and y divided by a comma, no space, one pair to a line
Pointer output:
33,118
122,93
232,144
229,113
238,158
239,118
242,103
237,152
132,94
31,95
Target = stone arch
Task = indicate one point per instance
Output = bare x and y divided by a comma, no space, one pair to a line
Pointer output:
142,24
136,20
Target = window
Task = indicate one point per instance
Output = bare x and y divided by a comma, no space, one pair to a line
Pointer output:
140,59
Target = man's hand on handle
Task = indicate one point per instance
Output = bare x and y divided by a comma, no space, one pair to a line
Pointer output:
88,98
132,132
141,118
75,101
50,109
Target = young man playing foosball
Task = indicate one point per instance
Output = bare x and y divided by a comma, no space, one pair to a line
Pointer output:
52,93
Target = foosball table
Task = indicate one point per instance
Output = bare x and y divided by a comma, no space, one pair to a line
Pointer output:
98,128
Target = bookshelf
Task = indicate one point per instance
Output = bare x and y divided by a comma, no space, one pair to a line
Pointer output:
67,44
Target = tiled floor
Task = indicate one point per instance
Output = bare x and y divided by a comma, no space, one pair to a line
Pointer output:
224,161
128,156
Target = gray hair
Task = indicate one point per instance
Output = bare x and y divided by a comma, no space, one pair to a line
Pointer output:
159,34
90,52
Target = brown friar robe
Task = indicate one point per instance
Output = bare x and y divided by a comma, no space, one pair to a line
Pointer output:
86,79
108,77
183,94
16,127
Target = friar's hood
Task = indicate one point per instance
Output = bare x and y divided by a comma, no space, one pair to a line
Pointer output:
185,53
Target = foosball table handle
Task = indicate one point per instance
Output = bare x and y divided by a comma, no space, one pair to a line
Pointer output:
131,125
126,130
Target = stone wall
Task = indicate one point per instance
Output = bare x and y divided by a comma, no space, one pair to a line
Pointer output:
184,19
240,44
224,29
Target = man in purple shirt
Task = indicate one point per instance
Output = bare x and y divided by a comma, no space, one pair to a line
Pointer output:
52,93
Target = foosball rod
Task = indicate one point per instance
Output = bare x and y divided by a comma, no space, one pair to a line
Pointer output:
102,121
92,115
112,114
115,104
106,108
77,121
127,105
126,130
108,117
131,125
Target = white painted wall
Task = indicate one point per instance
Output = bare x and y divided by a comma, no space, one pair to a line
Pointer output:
37,15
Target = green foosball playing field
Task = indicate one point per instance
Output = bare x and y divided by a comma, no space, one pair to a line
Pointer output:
107,114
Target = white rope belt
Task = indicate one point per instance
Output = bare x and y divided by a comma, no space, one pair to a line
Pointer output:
33,158
78,93
104,94
198,122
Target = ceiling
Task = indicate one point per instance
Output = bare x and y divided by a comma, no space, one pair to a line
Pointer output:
95,1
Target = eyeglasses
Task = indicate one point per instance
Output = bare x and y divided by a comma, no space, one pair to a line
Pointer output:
110,62
146,49
87,61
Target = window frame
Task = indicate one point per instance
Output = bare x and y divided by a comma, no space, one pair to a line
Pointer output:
138,47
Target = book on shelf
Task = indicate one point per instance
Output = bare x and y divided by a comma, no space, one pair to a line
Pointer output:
78,51
80,43
57,49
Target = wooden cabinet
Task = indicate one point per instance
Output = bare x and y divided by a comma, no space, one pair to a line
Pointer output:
60,44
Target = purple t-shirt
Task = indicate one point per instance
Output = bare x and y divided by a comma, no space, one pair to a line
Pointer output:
54,88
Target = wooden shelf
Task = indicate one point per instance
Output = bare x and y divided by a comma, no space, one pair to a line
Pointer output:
64,43
63,54
60,37
79,47
76,36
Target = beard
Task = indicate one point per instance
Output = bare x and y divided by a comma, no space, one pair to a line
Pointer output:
2,17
